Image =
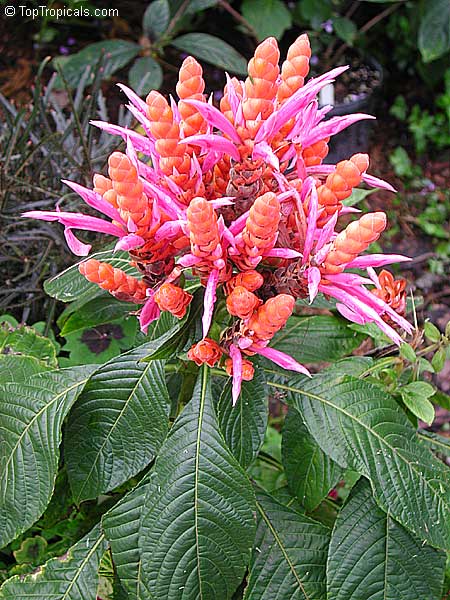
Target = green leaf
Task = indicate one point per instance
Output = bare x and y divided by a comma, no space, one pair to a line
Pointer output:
243,426
18,368
311,474
407,351
117,425
267,17
199,516
289,555
317,338
438,443
213,50
31,415
345,29
122,526
156,19
434,30
372,556
117,53
70,285
198,5
357,196
25,341
432,333
438,360
69,577
96,312
314,12
415,395
362,428
145,75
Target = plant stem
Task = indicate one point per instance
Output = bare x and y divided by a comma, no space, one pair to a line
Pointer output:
234,13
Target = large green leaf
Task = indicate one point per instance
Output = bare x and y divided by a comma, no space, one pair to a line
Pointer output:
26,341
434,30
267,17
213,50
117,53
317,338
198,527
289,555
363,428
372,556
69,577
122,528
70,285
117,425
31,415
244,425
310,473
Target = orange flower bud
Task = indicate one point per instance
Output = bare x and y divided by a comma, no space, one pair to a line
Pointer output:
115,281
203,229
340,183
355,238
248,370
242,303
251,280
190,86
205,351
295,68
172,298
260,88
261,230
271,317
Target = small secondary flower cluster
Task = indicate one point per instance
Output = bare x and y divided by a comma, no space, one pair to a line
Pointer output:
239,196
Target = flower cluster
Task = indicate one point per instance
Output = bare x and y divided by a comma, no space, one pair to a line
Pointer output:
238,195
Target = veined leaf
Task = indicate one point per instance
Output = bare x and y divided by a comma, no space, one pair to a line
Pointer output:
317,338
372,556
25,341
156,19
96,312
118,424
146,74
31,415
213,50
15,368
117,53
289,555
198,528
310,473
267,17
362,428
434,30
70,285
436,442
244,425
69,577
122,525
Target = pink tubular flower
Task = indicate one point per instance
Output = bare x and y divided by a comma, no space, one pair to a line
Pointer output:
239,196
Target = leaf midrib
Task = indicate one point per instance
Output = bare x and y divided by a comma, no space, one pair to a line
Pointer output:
83,564
197,471
38,414
282,548
119,416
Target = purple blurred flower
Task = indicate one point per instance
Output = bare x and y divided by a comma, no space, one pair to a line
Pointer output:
314,60
64,50
327,26
71,41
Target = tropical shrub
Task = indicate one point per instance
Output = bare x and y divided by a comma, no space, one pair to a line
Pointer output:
226,223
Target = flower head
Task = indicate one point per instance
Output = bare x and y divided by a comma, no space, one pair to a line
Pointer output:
238,194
